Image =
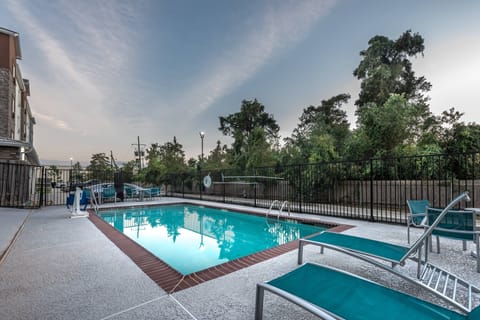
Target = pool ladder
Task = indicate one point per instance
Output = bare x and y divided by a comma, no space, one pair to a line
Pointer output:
284,204
93,201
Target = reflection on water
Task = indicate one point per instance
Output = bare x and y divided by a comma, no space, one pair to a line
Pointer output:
192,238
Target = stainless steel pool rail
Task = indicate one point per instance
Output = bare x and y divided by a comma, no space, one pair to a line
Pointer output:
280,208
93,200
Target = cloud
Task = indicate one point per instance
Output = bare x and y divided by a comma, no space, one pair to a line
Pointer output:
281,26
52,121
87,46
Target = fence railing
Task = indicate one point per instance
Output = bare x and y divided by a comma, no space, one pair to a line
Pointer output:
374,189
18,185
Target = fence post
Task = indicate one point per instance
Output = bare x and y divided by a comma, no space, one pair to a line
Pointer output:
200,185
371,190
224,192
255,189
42,186
255,195
300,194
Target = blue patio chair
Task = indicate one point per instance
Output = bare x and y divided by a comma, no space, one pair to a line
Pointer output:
418,212
155,192
332,294
457,225
109,193
130,193
84,200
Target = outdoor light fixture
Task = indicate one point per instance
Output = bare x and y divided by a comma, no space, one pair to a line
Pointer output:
202,135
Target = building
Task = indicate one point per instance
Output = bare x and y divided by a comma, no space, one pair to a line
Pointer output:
16,120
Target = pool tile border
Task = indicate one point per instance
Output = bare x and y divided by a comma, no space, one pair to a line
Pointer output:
171,280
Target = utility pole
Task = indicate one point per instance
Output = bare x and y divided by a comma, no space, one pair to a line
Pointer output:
112,161
139,151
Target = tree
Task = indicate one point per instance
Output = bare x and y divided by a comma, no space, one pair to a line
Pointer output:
153,152
385,69
217,159
241,125
100,166
165,159
172,156
392,108
259,152
386,127
128,170
326,122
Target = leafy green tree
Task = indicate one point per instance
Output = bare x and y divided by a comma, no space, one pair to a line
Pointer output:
259,152
129,169
163,160
393,101
386,126
217,159
242,125
322,148
325,126
462,138
100,167
385,69
153,152
155,173
172,156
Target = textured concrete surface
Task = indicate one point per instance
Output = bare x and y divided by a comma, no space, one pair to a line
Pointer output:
60,268
10,222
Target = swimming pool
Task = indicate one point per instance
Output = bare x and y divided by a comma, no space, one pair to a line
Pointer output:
192,238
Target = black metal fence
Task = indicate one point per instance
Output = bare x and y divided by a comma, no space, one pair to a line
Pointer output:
19,186
26,186
375,189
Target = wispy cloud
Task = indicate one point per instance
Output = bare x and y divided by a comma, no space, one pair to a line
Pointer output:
282,25
85,65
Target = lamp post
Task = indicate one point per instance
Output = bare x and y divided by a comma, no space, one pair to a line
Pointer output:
70,172
202,135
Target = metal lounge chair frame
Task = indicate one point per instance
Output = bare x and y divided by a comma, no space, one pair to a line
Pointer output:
330,293
367,249
418,212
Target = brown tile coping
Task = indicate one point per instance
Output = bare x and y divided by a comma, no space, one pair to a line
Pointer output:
171,280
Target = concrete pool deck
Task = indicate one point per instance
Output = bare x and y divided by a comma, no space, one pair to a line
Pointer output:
60,268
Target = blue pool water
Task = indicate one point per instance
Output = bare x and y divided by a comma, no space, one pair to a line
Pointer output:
192,238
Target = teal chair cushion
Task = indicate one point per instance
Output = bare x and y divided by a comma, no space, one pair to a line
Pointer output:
354,298
457,224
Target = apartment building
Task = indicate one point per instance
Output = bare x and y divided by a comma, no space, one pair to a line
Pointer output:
16,120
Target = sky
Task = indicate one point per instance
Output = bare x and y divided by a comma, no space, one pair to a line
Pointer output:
104,72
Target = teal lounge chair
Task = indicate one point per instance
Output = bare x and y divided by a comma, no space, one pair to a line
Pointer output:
155,192
366,249
418,212
395,254
333,294
130,193
457,225
109,193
